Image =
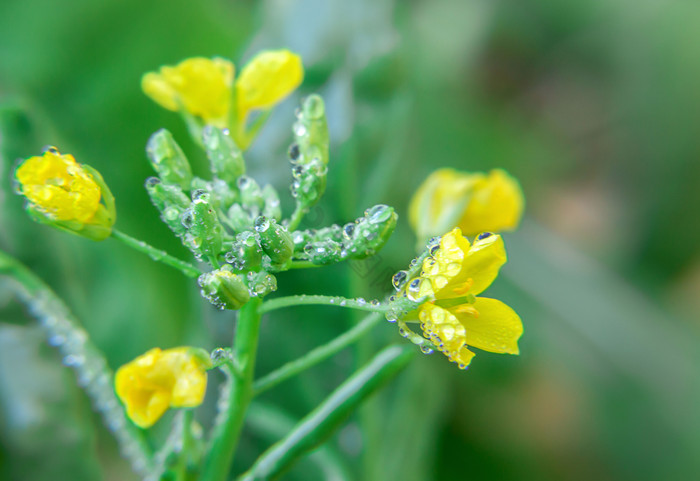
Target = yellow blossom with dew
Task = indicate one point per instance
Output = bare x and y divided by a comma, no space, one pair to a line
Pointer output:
158,380
474,202
199,86
66,194
452,317
266,80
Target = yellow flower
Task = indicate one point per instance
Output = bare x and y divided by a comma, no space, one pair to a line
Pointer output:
157,380
200,86
266,80
66,194
474,202
452,317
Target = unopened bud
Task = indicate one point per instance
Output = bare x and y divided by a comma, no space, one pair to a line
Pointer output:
274,239
168,159
224,289
170,201
372,231
225,158
204,231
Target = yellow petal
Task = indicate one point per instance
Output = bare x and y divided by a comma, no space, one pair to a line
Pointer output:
58,186
440,201
160,91
496,204
267,79
497,327
458,268
444,330
198,85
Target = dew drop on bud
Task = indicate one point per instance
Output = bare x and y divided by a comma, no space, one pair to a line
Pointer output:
261,224
399,280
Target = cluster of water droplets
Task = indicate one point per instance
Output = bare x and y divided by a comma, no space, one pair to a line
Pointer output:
93,373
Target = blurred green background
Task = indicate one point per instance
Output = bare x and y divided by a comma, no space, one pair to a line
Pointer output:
593,105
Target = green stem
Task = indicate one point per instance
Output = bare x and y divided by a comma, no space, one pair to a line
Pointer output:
223,446
316,356
297,216
304,299
301,265
330,415
187,440
156,254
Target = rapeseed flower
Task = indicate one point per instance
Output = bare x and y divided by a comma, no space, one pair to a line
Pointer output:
66,194
158,380
474,202
451,316
205,89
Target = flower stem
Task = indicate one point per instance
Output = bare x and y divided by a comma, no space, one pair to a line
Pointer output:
156,254
304,299
316,356
297,216
223,446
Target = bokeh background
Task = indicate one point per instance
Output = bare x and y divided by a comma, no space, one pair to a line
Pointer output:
593,105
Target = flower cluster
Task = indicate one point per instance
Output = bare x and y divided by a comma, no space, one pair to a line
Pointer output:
451,316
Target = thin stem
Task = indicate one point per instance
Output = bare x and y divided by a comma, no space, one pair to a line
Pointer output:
156,254
302,265
304,299
316,356
297,216
223,446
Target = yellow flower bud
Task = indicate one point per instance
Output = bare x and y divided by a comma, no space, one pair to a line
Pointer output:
158,380
266,80
66,195
199,86
474,202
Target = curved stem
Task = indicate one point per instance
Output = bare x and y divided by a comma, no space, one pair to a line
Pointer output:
297,216
316,356
304,299
156,254
218,462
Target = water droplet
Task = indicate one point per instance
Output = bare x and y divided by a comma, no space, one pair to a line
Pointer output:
399,280
299,129
200,194
375,302
484,235
414,289
243,181
152,182
187,219
262,223
218,355
348,230
361,301
426,350
378,214
294,152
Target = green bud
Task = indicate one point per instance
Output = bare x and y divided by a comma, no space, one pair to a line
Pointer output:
225,158
251,194
309,153
245,252
324,252
272,208
274,239
222,195
239,219
371,232
170,201
204,231
262,283
168,159
224,289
